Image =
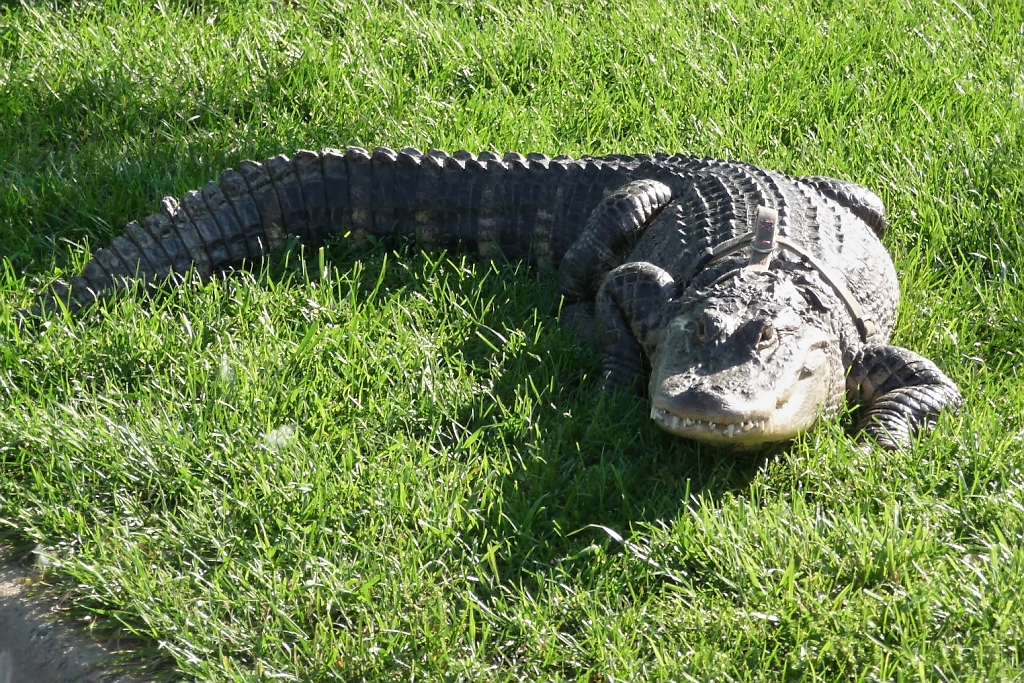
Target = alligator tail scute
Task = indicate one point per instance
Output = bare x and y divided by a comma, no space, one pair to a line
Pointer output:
240,219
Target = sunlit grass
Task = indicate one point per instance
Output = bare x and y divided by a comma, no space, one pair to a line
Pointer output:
368,465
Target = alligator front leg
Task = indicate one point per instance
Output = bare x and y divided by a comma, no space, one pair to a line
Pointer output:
898,392
633,307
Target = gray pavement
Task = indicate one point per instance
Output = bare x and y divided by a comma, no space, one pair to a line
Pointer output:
37,647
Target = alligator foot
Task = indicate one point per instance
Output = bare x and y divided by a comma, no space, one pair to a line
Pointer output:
899,393
579,319
631,311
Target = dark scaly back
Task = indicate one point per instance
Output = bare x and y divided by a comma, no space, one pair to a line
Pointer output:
517,207
718,202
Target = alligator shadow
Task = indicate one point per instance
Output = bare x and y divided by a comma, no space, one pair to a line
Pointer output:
590,468
587,468
589,459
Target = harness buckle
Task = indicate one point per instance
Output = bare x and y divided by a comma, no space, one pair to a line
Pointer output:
763,238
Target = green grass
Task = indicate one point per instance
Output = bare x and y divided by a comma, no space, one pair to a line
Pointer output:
362,465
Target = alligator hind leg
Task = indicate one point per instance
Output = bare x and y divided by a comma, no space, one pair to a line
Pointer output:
862,202
633,306
899,392
611,231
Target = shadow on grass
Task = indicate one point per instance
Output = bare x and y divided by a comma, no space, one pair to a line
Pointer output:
584,469
591,468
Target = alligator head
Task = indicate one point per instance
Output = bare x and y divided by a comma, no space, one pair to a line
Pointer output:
749,360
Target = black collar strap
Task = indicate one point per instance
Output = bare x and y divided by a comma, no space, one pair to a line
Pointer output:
764,239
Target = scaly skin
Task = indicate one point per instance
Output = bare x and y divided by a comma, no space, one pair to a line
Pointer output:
743,351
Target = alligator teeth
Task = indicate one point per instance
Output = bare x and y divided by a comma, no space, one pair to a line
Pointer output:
730,430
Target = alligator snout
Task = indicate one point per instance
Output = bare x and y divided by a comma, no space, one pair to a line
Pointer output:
711,403
711,413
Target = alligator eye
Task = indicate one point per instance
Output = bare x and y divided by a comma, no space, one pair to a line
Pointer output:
767,337
702,331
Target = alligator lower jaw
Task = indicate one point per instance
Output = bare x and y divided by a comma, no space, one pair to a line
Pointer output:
743,433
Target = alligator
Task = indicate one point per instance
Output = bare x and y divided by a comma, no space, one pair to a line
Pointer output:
753,302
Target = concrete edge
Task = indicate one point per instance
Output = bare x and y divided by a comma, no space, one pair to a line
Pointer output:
37,645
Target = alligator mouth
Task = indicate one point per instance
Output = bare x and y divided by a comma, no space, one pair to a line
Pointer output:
754,430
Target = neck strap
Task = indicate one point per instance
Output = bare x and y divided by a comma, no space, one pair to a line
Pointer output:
763,241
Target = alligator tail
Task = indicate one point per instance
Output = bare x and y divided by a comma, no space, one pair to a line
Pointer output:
238,220
518,207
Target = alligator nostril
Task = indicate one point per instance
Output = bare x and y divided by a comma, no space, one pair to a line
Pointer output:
712,403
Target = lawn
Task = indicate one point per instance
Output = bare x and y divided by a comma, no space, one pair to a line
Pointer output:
372,463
